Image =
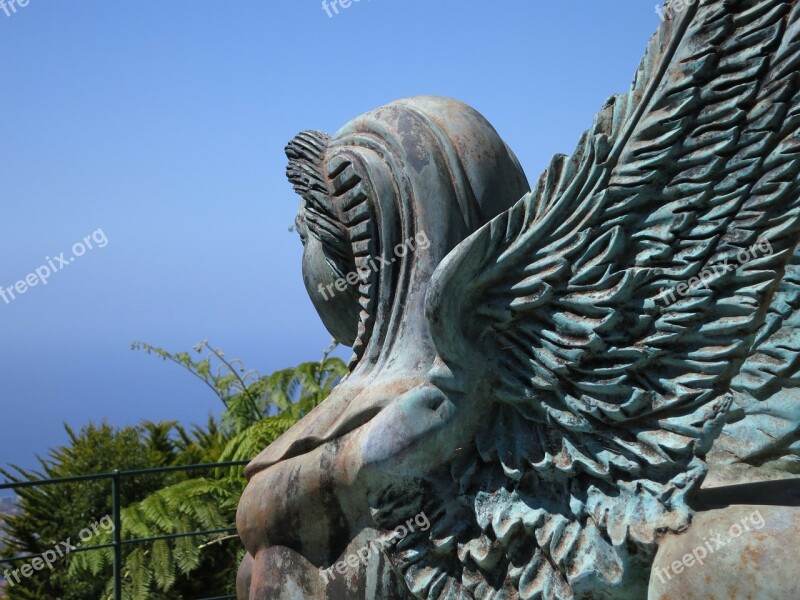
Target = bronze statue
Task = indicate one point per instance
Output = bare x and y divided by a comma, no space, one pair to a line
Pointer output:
539,376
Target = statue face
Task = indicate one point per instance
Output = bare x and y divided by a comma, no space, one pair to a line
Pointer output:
338,309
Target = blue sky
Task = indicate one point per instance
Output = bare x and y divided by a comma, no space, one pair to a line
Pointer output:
163,124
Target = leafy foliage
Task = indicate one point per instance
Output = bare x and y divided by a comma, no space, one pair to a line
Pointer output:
51,514
258,409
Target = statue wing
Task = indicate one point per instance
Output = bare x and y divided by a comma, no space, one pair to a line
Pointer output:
763,427
610,309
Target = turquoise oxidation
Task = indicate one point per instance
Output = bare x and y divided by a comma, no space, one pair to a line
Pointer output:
559,392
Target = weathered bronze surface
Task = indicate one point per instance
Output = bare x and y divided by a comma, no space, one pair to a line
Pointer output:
542,378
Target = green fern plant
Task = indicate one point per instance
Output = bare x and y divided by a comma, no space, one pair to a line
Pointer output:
258,409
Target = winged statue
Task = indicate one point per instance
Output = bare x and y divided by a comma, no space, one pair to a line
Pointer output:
542,377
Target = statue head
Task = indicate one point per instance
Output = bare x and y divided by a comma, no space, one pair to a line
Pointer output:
383,201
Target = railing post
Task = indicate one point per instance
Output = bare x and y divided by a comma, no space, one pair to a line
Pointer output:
116,509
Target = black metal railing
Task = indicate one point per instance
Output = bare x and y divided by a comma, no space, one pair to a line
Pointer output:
116,478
